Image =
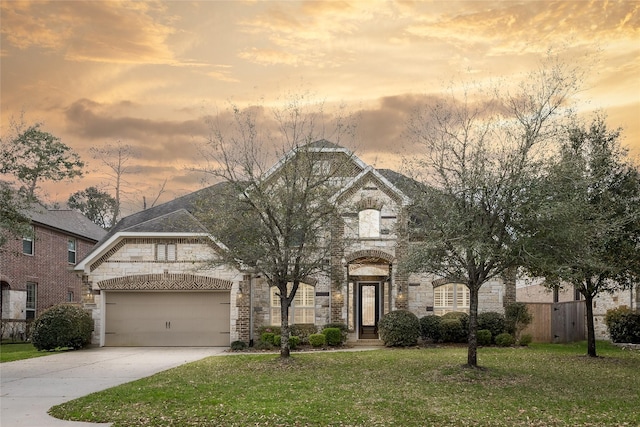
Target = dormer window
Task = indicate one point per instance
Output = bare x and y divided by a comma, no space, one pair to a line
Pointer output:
369,223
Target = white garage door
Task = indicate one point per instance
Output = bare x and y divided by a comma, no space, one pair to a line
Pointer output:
184,319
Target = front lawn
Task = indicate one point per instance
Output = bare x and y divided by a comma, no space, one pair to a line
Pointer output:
544,385
12,351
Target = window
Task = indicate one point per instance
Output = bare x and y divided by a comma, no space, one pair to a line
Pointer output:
71,251
70,296
166,252
27,243
302,309
31,300
450,297
369,223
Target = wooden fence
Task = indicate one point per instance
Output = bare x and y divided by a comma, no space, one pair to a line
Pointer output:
557,322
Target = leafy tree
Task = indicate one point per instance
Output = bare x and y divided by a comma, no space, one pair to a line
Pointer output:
33,156
476,158
587,230
99,206
275,221
13,221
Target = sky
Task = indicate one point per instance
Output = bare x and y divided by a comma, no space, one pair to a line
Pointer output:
147,73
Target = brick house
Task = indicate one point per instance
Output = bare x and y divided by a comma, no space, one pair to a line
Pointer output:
36,272
153,279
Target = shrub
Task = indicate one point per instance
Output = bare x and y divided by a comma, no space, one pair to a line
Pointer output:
400,328
451,330
525,340
493,321
238,345
294,341
461,316
268,337
517,317
624,325
62,326
276,330
303,331
430,328
277,340
333,336
344,329
317,340
505,339
484,337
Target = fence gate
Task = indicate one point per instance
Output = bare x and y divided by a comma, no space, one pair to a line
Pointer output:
557,322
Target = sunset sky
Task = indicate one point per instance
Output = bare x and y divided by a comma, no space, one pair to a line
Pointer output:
146,73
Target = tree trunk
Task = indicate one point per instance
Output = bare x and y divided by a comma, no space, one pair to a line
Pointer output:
472,352
284,327
591,334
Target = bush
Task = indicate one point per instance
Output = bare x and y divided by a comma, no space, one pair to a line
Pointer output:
276,330
333,336
525,340
493,321
344,329
268,338
277,340
62,326
451,330
461,316
430,328
303,331
517,317
238,345
624,325
505,340
294,341
317,340
484,337
400,328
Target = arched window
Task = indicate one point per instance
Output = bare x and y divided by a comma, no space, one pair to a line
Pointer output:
369,223
302,309
450,297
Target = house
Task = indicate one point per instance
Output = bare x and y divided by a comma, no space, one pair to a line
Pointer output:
153,279
36,271
534,292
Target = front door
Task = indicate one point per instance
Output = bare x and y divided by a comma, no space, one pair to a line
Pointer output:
369,310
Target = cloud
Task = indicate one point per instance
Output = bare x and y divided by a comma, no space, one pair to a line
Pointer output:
96,31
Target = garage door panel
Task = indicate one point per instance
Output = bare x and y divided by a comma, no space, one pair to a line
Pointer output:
167,318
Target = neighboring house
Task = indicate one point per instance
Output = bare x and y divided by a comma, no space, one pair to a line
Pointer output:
153,279
534,292
36,271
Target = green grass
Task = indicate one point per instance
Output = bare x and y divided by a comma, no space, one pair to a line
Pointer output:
12,351
543,385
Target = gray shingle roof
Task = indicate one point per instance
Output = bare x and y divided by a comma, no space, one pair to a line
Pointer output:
67,220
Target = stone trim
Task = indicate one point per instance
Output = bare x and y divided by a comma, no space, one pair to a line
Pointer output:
97,263
446,281
369,203
162,282
141,240
370,253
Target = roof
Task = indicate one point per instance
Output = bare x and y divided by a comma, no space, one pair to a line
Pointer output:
67,220
173,216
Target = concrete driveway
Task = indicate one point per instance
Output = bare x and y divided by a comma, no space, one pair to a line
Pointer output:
28,388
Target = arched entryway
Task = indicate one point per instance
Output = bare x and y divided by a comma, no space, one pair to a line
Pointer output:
369,291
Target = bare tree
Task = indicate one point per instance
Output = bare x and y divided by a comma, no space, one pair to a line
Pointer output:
117,157
476,157
275,220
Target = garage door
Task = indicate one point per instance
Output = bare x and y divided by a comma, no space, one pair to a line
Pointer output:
197,319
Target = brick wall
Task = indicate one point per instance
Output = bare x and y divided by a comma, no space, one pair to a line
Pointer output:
48,267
